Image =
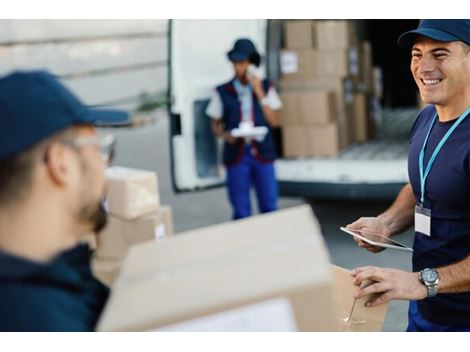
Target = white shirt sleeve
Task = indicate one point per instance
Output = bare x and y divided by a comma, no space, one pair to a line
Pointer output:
273,99
215,108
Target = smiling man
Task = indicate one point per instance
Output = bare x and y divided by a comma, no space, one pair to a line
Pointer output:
52,182
437,200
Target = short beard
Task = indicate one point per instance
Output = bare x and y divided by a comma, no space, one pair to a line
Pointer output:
95,215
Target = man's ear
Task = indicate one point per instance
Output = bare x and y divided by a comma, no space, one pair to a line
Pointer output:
57,164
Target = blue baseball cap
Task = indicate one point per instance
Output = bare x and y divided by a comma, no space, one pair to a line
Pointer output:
440,30
244,49
34,105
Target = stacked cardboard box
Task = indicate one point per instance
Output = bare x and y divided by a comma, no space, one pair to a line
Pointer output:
134,216
256,274
331,60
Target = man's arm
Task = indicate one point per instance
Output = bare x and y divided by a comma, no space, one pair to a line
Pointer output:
271,116
218,131
396,219
454,278
400,216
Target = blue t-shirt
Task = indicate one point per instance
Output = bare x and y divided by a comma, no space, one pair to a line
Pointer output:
447,194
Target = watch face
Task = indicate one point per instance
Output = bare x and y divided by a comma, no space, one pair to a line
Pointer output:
429,275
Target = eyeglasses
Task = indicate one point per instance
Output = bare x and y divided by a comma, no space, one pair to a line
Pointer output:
106,142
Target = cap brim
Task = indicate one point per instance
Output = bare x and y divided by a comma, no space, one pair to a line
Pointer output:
107,117
407,39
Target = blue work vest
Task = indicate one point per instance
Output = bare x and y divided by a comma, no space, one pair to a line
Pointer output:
232,115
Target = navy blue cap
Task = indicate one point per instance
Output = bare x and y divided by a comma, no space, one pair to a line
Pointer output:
244,49
440,30
34,105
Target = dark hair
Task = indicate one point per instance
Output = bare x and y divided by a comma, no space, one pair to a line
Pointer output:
16,172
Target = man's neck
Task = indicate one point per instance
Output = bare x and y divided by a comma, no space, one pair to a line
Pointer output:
452,111
37,233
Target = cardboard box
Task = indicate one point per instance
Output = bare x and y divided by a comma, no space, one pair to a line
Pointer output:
336,34
323,140
106,270
289,114
114,241
360,117
294,141
362,318
299,63
338,62
299,34
308,107
316,107
366,67
131,192
257,274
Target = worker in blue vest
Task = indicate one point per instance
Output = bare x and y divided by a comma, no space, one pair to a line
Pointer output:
247,101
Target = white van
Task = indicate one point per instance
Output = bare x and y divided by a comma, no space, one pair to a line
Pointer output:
197,60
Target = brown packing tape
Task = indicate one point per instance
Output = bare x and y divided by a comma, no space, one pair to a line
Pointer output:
363,318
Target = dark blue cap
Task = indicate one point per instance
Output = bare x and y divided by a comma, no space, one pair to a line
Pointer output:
34,105
440,30
244,49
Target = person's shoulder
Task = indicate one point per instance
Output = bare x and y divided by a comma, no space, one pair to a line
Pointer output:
424,116
27,308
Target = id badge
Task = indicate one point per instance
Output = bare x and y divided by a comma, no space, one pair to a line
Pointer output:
423,220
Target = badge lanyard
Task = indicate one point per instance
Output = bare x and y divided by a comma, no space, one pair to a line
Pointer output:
423,174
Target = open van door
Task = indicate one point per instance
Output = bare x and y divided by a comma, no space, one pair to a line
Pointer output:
197,63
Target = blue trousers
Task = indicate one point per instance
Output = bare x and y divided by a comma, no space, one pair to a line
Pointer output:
417,323
242,176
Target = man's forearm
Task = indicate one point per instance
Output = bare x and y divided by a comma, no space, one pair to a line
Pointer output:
400,216
455,278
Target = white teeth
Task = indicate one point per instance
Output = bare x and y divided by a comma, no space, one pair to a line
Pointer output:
431,81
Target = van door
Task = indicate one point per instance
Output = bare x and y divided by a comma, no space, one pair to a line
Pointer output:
198,63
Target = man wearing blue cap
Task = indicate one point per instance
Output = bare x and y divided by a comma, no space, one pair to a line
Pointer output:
51,185
246,100
437,200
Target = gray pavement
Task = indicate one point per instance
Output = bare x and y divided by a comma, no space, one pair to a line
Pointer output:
148,148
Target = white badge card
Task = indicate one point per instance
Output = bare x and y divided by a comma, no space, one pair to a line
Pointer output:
423,220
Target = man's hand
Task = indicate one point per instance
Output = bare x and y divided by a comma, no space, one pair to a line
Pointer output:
369,225
389,284
227,136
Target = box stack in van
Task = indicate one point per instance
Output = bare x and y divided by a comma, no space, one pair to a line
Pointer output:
135,215
327,76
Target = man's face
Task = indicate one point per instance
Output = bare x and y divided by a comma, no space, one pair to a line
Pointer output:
90,186
241,68
441,70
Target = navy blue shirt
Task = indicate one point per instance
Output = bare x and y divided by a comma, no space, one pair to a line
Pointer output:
61,295
447,194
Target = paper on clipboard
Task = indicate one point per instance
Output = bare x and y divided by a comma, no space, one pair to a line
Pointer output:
377,240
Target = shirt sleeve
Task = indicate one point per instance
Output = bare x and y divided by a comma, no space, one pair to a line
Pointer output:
215,108
273,100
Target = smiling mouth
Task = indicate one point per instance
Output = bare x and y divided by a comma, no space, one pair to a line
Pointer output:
431,82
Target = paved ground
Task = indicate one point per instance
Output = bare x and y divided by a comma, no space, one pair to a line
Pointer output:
148,148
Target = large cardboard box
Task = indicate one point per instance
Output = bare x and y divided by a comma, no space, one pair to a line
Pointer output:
289,114
298,63
308,107
367,67
362,318
323,140
114,241
131,192
360,117
316,107
338,62
336,34
106,270
294,141
257,274
299,34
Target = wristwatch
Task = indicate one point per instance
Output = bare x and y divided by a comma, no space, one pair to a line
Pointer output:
430,278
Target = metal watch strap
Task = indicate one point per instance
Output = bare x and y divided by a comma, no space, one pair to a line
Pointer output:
432,290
